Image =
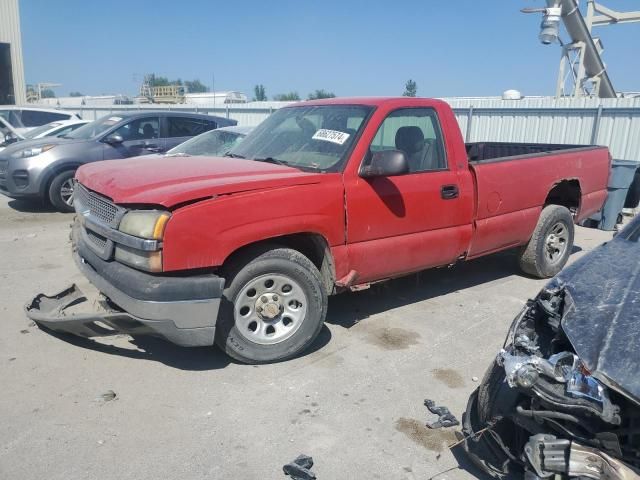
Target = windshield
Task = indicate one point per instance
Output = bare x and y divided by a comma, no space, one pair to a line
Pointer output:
315,137
94,129
41,129
212,143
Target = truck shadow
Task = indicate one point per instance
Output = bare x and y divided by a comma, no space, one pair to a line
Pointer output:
183,358
347,309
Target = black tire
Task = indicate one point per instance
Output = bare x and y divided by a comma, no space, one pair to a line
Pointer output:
255,265
534,258
491,404
56,195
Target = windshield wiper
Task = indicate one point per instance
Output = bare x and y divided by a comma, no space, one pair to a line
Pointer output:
233,155
271,160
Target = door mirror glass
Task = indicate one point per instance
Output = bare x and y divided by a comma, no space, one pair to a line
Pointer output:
113,139
385,163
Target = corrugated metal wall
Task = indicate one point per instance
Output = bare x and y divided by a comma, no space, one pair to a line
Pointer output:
10,33
611,122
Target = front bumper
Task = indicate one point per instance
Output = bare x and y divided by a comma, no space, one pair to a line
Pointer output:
18,179
180,309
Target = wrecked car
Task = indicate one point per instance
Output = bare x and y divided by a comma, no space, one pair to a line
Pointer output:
563,395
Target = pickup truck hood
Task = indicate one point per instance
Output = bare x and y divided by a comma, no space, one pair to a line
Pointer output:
169,181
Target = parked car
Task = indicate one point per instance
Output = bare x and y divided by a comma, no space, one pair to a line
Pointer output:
323,196
212,143
23,119
562,398
53,129
44,168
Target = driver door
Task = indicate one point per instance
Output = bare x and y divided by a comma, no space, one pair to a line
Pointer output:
410,222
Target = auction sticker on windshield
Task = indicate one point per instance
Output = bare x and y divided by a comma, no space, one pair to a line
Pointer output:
333,136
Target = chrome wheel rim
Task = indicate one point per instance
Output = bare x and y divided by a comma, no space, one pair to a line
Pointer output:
556,242
270,309
66,191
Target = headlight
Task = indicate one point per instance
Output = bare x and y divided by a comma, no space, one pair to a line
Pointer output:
145,223
32,152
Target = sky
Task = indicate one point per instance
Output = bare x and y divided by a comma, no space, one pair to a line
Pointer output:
349,47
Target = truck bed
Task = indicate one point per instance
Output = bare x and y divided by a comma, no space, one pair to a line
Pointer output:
478,152
513,181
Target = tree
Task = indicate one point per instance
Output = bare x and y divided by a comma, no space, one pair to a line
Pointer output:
47,93
286,97
76,94
410,89
157,81
195,86
260,93
318,94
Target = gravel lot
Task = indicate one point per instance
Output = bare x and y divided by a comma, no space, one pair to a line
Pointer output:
354,403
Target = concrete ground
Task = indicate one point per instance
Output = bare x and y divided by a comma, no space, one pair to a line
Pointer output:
354,403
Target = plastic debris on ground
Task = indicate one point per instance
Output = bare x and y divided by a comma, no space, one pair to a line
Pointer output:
300,468
445,417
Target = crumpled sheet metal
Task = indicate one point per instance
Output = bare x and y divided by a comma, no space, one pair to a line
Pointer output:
601,316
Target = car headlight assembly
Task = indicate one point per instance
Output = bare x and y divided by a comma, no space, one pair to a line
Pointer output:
145,223
32,152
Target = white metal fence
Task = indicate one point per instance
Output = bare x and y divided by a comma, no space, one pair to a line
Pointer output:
611,122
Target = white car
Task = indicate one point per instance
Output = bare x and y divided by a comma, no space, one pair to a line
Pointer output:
53,129
23,119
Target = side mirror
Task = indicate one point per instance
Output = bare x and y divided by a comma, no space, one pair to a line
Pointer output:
386,163
113,139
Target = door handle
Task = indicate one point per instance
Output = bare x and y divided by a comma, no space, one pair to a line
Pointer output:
152,148
448,192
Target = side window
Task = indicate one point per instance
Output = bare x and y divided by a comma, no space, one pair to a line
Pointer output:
415,131
12,117
32,118
188,127
140,129
65,130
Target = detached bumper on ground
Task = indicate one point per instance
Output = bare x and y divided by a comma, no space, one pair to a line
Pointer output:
183,310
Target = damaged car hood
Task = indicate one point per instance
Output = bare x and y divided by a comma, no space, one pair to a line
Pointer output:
601,316
169,181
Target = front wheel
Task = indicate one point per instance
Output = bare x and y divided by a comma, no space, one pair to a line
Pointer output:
551,243
61,191
273,308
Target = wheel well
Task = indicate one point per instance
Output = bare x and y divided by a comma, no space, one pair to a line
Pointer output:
566,193
311,245
51,174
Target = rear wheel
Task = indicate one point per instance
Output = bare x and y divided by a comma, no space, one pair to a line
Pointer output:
273,307
61,191
551,243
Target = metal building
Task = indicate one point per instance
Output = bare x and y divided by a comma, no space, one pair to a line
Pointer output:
12,85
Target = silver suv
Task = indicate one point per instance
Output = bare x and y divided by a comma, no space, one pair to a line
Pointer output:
45,168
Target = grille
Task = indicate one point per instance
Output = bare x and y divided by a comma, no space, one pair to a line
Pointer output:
98,240
98,206
3,167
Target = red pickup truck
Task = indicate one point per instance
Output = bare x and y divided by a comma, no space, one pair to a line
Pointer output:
322,197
